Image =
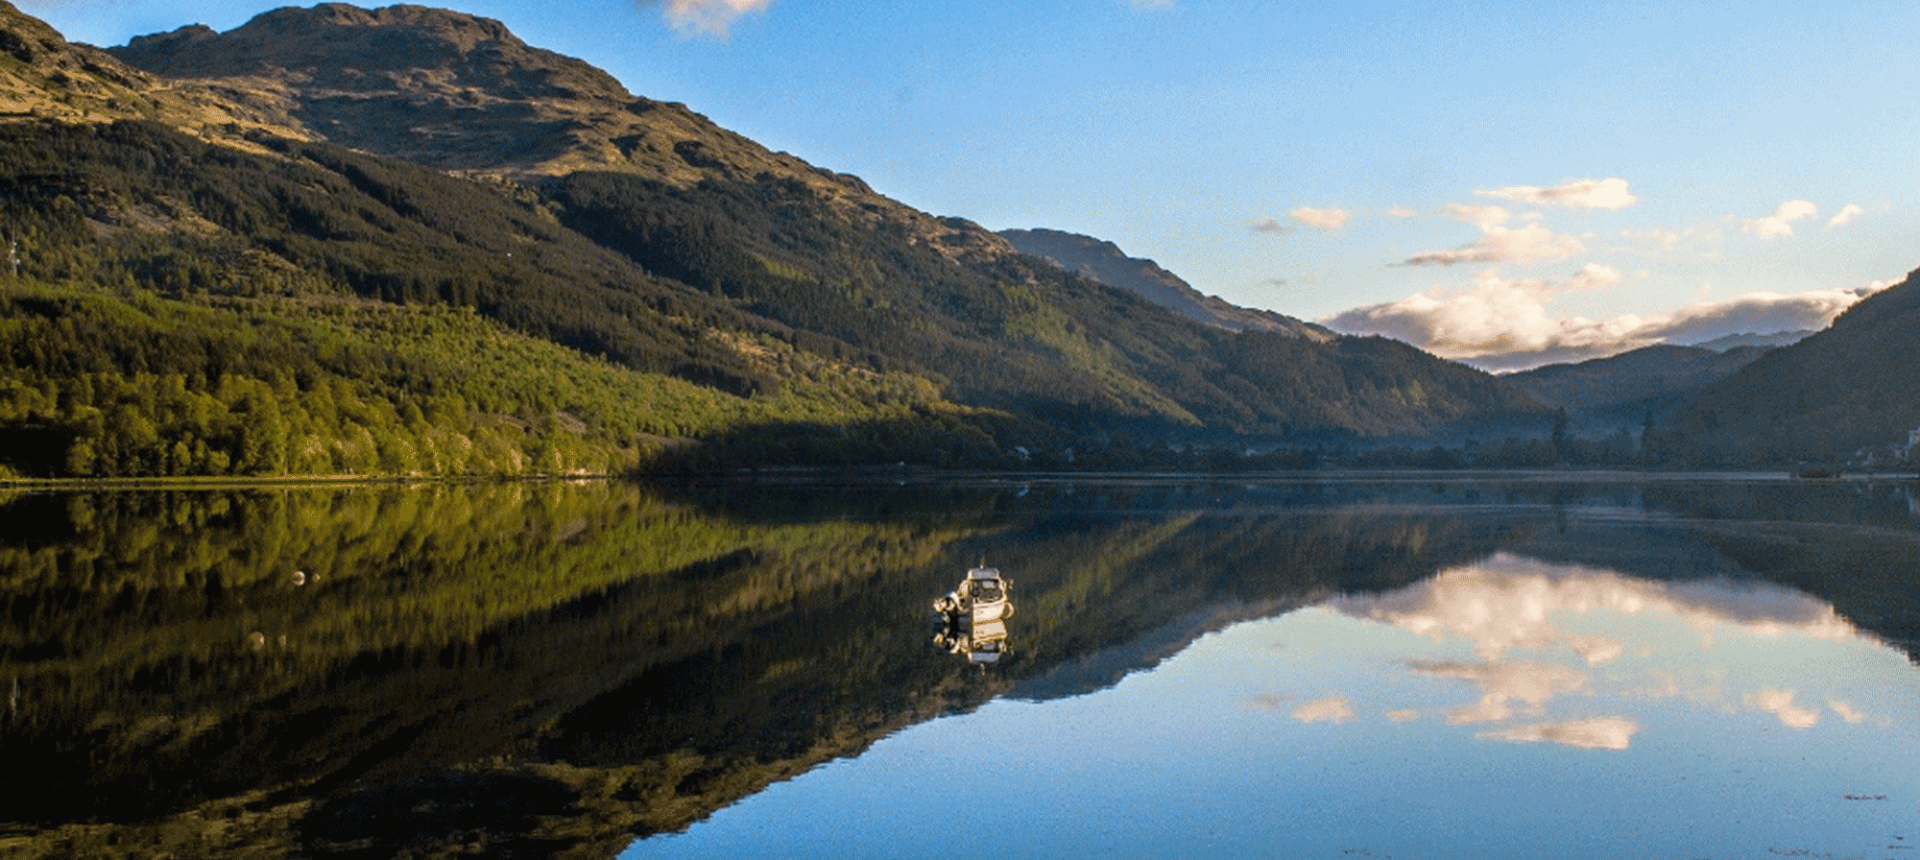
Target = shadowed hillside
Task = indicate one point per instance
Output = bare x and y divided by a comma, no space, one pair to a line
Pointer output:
1849,394
749,289
1626,391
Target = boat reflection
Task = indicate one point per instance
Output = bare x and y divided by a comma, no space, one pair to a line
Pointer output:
1521,703
973,616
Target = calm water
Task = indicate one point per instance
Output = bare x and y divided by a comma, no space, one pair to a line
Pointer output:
1508,667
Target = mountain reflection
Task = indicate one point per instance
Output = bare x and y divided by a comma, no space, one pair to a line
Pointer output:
373,671
1566,653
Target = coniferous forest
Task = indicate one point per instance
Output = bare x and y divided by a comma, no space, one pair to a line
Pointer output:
184,308
325,313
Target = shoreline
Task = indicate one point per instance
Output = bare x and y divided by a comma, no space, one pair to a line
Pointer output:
902,476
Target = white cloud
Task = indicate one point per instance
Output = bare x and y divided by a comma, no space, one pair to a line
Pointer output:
1332,709
1780,223
1401,212
1321,219
1479,216
1847,711
1610,194
712,18
1845,216
1495,316
1607,733
1530,244
1500,324
1500,243
1758,313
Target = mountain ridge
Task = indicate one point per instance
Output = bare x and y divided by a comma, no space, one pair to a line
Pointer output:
789,291
1103,261
49,79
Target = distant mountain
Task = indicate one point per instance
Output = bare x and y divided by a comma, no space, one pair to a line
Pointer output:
1843,395
1731,341
1622,392
630,283
1103,261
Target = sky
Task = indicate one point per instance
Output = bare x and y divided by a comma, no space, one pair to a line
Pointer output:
1504,183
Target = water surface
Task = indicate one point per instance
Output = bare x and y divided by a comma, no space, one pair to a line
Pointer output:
1510,667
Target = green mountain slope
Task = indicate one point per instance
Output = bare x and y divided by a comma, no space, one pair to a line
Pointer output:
1014,332
768,299
254,282
1850,393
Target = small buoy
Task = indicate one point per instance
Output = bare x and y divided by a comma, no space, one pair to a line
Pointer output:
299,577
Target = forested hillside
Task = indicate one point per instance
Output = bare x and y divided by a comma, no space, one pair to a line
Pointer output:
195,310
642,315
1013,332
1628,391
1849,395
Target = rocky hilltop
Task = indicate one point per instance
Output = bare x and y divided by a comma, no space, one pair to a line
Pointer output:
44,77
463,94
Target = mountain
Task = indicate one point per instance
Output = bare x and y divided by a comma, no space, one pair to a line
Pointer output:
1850,393
1103,261
429,248
461,93
1625,391
1732,341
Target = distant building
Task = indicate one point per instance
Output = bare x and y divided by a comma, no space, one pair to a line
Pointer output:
1913,443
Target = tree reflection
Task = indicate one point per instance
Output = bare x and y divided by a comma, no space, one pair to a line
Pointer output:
306,665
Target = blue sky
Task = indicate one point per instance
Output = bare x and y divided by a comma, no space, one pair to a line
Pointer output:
1501,182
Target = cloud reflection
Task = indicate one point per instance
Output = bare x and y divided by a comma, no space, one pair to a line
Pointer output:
1332,709
1607,733
1509,602
1503,684
1780,704
1543,632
